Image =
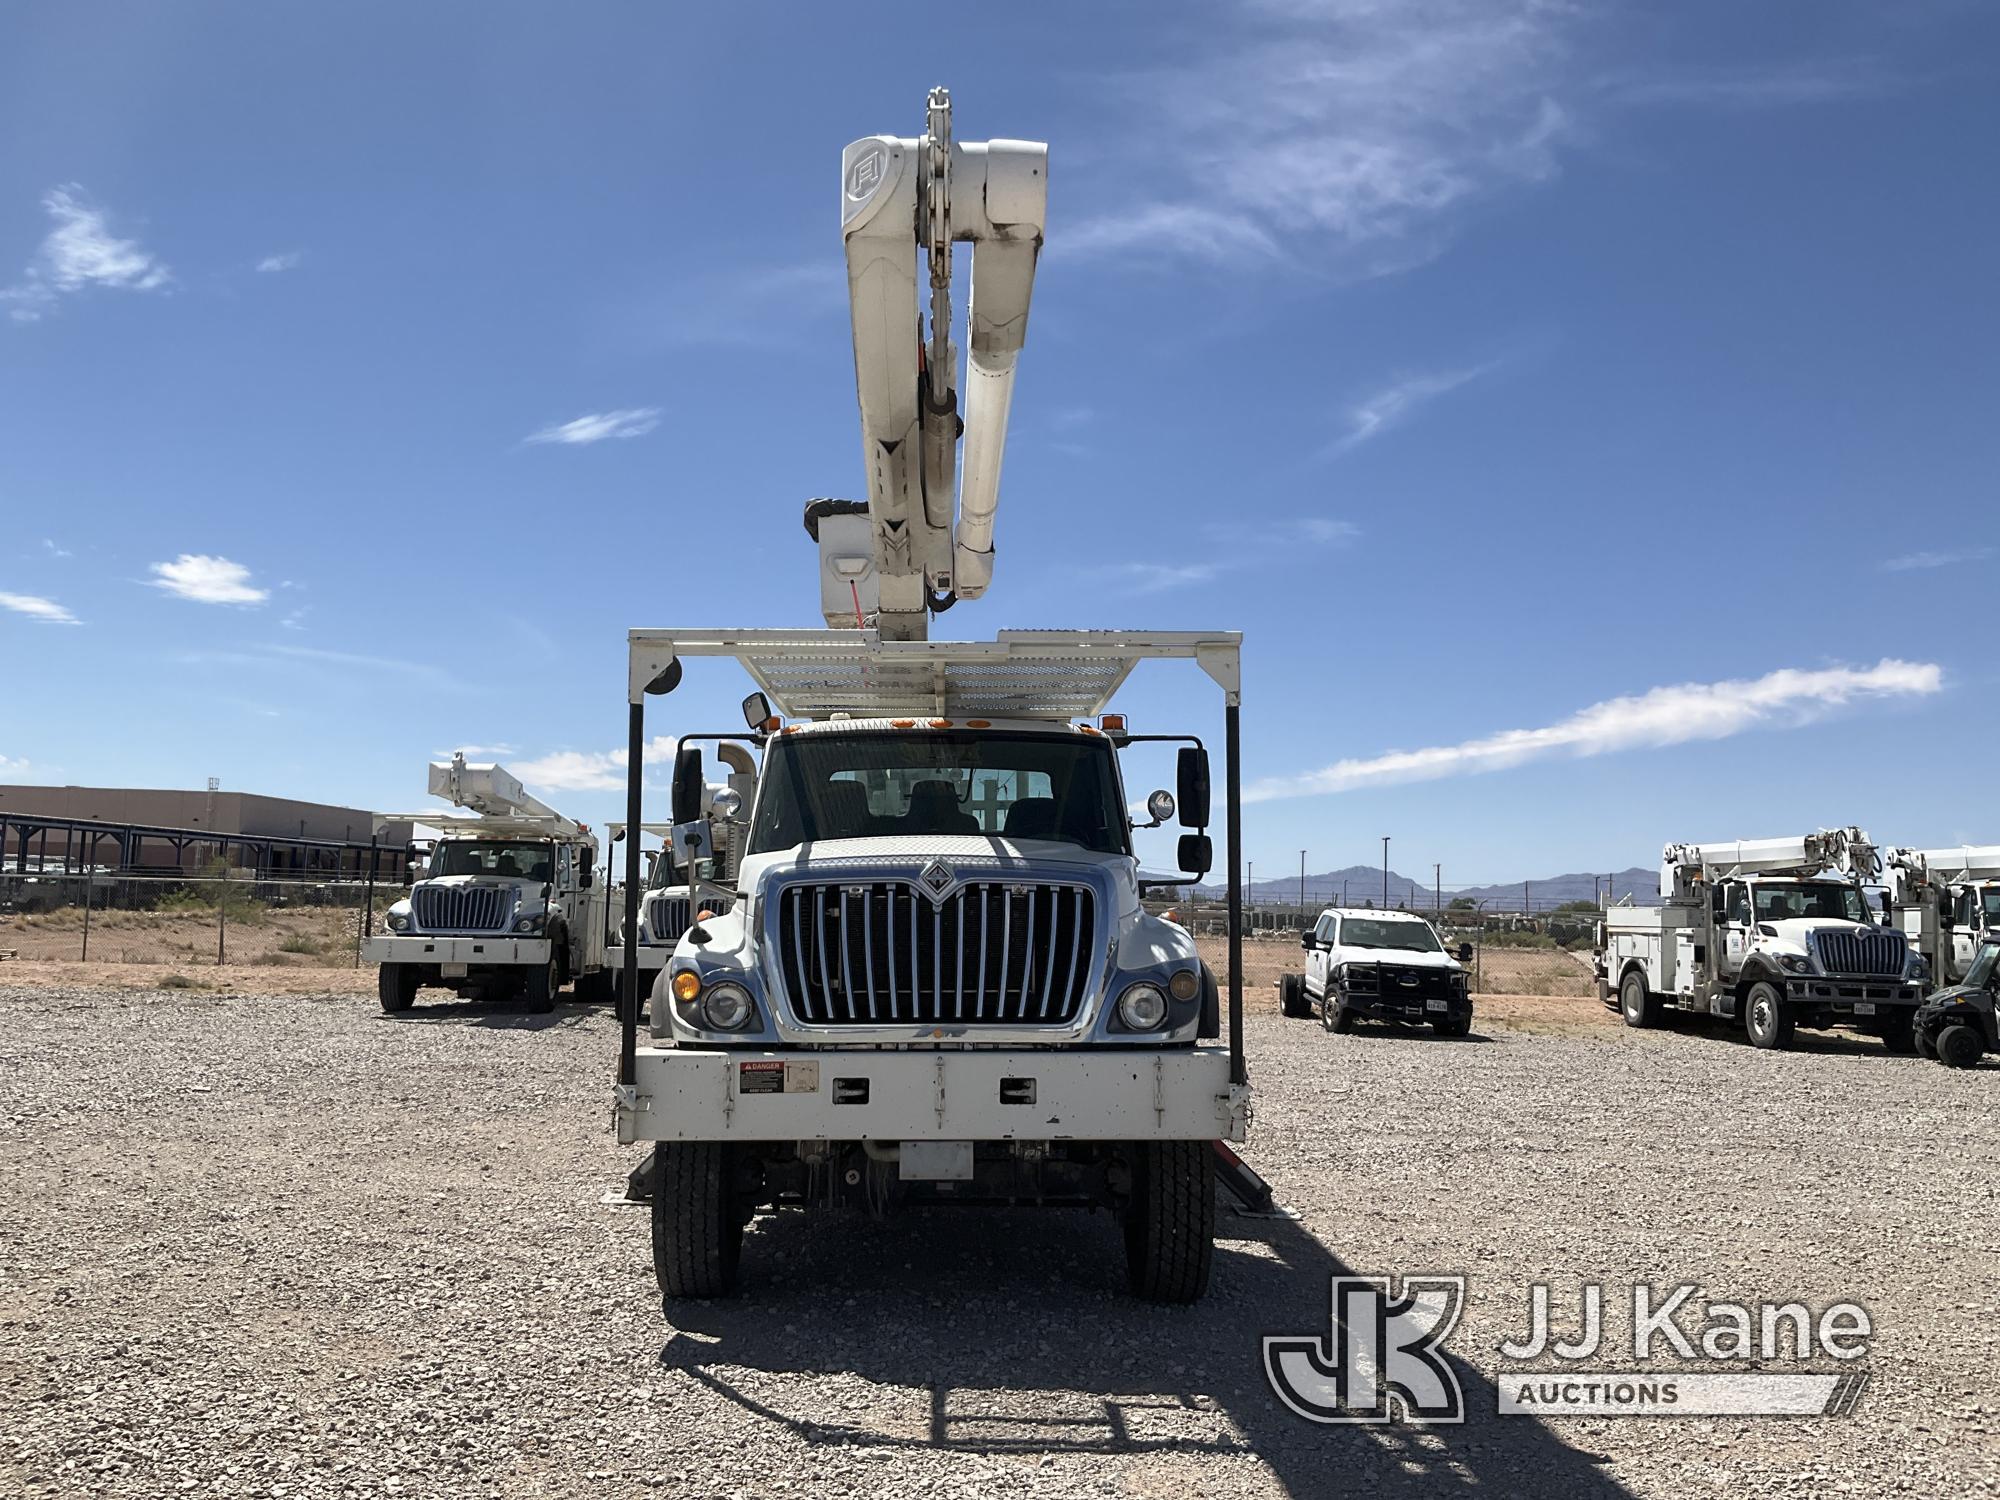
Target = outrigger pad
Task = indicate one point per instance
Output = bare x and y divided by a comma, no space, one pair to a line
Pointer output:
638,1185
1251,1192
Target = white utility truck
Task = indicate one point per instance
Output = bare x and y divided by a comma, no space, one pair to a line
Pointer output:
1382,966
935,980
508,903
1771,933
1948,903
667,910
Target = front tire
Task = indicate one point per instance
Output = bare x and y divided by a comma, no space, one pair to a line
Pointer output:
1170,1220
542,985
1453,1025
1958,1046
396,987
697,1234
1765,1019
1899,1032
1636,1002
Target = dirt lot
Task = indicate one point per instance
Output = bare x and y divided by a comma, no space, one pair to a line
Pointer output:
309,937
255,1243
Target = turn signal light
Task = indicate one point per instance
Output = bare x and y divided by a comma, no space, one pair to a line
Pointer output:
687,984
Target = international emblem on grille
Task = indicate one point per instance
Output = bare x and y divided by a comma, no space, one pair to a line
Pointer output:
937,877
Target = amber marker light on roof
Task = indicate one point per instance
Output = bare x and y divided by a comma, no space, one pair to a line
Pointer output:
940,723
902,723
978,723
1112,723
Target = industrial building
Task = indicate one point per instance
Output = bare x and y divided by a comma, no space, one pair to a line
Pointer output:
51,829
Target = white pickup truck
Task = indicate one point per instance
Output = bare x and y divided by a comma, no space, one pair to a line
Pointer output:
1381,965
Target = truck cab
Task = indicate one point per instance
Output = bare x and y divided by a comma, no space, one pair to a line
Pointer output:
1384,966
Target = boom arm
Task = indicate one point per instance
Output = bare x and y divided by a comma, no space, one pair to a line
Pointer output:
1846,851
492,792
902,199
1913,869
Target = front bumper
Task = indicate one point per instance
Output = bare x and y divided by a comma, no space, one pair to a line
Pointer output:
1855,996
474,952
1413,1010
799,1094
652,958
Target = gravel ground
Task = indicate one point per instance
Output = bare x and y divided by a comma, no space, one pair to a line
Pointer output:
285,1245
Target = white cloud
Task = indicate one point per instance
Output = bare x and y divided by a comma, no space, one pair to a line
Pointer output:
18,770
1324,530
290,260
44,611
80,252
590,770
1754,86
475,752
1154,578
1663,716
207,580
54,550
1913,560
597,426
1347,137
1396,403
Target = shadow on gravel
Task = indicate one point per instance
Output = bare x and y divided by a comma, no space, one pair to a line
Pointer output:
1391,1031
1016,1333
496,1015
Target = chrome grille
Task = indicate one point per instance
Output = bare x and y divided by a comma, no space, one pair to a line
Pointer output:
998,951
462,908
1876,951
667,917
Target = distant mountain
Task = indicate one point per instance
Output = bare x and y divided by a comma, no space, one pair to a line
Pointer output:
1361,885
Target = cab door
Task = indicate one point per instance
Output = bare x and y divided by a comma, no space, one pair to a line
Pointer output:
1320,960
1965,933
1736,924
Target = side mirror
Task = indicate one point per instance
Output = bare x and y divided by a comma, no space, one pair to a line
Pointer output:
687,784
1160,807
1465,953
1197,854
1306,938
1191,786
757,711
1944,914
584,878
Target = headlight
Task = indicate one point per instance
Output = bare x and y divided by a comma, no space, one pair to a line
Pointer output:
1916,967
399,921
1143,1008
534,923
727,1007
1795,963
1185,985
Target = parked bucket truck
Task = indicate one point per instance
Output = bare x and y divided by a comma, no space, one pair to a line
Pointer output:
508,904
934,980
1947,901
1772,934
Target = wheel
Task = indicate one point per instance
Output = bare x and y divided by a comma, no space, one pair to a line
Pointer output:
1636,1003
1958,1046
1170,1220
1921,1043
697,1234
1337,1017
1292,999
396,985
1453,1025
1899,1032
1765,1018
541,986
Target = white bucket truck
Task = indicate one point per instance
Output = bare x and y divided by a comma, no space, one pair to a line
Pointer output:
1948,903
1770,933
508,903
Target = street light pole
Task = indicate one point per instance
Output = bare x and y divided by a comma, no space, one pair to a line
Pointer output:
1302,882
1385,872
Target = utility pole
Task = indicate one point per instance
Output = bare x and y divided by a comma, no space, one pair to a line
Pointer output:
1527,912
1437,893
1385,872
1343,891
1302,882
1250,884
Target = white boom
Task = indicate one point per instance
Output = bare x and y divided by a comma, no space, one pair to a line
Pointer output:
901,200
493,792
1845,851
1960,866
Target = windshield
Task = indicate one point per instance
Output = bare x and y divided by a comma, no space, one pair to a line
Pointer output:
871,785
1980,975
1374,932
1827,899
506,861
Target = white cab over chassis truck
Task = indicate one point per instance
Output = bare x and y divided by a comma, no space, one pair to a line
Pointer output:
1947,901
1771,933
935,980
509,902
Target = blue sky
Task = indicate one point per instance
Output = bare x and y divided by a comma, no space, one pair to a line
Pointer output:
1587,412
